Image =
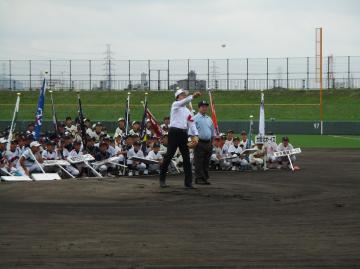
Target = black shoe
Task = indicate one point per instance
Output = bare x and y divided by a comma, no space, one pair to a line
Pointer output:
202,182
163,184
189,186
199,181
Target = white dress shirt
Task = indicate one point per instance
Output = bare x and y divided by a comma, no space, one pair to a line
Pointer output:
181,117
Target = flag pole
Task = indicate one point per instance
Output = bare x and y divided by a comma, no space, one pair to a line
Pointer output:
213,114
143,121
127,114
248,144
81,120
13,123
54,118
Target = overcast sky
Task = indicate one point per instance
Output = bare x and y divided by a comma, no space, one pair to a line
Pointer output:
162,29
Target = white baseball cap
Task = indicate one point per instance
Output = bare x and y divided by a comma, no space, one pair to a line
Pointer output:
179,91
3,140
34,144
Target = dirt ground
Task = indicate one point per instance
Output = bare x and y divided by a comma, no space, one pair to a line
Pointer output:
273,219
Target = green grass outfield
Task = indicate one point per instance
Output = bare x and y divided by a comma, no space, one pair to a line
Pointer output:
323,141
230,105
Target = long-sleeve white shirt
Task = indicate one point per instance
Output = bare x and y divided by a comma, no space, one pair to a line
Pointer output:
181,117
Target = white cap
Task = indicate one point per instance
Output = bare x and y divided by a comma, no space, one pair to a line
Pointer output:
178,92
34,144
3,140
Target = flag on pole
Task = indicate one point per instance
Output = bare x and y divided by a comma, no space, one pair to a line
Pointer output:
127,115
143,122
81,120
13,122
40,110
213,115
54,118
154,123
262,116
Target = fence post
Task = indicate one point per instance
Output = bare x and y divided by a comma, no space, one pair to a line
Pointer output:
287,72
50,74
328,72
149,73
349,77
208,73
30,74
247,74
129,71
267,73
70,85
188,77
227,74
168,74
307,73
89,75
10,86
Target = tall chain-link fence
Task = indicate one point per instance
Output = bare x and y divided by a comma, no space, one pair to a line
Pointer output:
221,74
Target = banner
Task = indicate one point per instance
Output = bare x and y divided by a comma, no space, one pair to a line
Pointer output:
54,118
40,110
81,121
213,115
127,115
154,123
262,116
13,121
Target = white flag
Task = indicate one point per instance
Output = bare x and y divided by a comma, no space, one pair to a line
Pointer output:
13,122
262,117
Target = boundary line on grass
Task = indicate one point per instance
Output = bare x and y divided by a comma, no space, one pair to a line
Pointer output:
346,137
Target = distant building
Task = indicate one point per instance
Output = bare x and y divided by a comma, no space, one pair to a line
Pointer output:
6,84
190,83
143,85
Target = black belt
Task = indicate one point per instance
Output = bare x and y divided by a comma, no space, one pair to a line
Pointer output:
178,129
204,141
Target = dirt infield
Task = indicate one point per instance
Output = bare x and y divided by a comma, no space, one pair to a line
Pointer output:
274,219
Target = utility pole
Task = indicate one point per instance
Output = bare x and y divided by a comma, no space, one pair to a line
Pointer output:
108,67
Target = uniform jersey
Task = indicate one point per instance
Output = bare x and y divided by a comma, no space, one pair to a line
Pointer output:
47,155
154,156
118,132
235,149
281,147
246,142
132,132
13,156
271,147
28,157
133,153
74,153
100,156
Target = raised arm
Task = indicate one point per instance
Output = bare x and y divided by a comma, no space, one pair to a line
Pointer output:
185,101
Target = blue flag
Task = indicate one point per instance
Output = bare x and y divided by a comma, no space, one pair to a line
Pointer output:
39,111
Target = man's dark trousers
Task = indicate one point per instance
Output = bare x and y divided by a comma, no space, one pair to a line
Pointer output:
177,138
202,154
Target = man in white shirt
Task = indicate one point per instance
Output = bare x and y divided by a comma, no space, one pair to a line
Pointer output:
181,124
